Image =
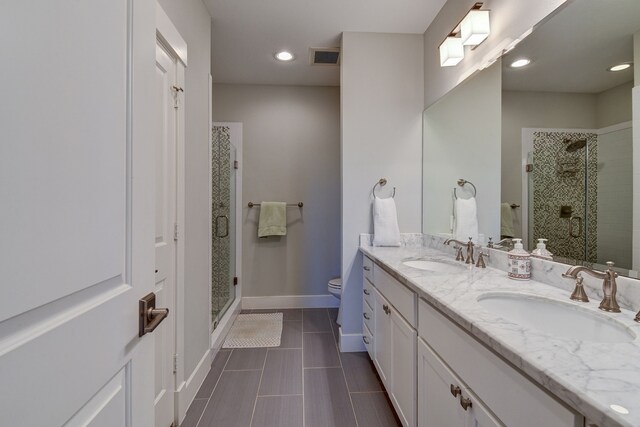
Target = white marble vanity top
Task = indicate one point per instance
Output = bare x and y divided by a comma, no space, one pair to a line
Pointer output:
588,376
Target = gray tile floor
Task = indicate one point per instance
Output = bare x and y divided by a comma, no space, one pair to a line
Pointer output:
306,382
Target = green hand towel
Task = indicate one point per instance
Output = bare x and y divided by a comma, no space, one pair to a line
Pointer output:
273,219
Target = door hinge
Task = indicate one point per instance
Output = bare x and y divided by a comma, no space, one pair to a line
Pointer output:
176,95
175,231
235,281
529,168
175,363
236,164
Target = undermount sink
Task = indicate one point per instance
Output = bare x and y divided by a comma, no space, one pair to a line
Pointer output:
556,318
434,266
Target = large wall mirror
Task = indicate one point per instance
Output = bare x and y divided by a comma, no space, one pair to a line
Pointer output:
565,170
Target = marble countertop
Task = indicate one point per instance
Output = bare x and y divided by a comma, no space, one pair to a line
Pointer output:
588,376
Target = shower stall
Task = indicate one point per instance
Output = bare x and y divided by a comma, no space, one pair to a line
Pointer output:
580,193
223,222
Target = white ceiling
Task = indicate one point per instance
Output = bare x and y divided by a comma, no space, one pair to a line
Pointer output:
246,33
573,49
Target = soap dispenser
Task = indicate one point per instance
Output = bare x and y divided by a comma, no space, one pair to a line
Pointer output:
519,262
541,250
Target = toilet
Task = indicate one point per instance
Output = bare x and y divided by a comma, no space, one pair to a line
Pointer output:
335,288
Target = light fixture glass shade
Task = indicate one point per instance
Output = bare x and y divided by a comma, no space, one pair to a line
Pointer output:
475,27
451,52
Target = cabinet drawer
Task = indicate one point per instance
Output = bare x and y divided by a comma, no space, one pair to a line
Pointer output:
367,268
367,337
367,291
367,315
401,297
514,399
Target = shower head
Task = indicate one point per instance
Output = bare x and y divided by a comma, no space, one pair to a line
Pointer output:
573,146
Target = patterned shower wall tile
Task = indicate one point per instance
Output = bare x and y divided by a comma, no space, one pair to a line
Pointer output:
220,209
559,180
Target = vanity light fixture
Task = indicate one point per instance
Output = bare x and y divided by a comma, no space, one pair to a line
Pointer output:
519,63
620,67
472,30
475,27
284,56
451,51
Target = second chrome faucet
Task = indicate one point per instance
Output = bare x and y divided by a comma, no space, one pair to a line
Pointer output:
469,245
609,286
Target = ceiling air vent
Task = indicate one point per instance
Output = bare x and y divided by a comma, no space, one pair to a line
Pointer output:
324,56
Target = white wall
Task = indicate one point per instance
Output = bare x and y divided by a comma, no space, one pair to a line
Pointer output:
381,105
291,153
192,20
510,20
613,106
462,140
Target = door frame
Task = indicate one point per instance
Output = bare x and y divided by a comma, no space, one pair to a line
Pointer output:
167,34
217,336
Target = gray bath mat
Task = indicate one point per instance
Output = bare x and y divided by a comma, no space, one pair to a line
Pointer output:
255,330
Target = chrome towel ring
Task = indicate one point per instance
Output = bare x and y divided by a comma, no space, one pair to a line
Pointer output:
382,182
461,183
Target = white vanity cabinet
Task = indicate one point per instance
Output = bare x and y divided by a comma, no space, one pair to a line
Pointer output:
442,399
499,394
394,339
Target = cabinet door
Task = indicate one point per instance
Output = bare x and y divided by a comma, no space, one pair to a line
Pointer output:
382,338
477,415
437,405
403,368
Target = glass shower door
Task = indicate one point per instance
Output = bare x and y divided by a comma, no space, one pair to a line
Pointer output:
223,200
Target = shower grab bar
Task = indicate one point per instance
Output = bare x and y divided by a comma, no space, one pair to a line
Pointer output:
289,205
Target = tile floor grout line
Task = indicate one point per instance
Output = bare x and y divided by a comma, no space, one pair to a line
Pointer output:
344,376
214,387
321,367
255,402
367,392
279,395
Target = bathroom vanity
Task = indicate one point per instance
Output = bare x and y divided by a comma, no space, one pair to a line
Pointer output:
450,353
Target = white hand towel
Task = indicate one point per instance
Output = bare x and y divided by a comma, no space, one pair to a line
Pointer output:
385,223
466,220
506,221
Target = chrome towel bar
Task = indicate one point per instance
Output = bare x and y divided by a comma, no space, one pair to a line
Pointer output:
289,205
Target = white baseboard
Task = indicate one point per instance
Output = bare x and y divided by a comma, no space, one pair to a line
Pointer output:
186,391
291,301
220,333
350,343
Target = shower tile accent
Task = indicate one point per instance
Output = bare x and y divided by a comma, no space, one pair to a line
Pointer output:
220,207
559,180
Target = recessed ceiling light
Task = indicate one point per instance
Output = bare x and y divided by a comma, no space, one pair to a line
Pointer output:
284,56
518,63
619,67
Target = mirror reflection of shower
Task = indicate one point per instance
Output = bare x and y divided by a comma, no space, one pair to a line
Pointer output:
573,146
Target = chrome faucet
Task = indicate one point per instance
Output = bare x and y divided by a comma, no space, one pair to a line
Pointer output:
481,256
609,286
469,245
508,241
637,319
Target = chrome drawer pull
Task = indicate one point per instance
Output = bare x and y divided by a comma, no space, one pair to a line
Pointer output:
366,292
366,268
455,390
465,402
366,316
365,339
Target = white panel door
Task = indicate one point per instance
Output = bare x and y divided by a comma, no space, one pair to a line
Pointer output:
165,271
76,252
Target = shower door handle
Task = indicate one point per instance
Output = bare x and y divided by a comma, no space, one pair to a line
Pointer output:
226,218
579,233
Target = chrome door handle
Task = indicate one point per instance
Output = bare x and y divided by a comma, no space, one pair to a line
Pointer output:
226,218
366,316
149,316
579,233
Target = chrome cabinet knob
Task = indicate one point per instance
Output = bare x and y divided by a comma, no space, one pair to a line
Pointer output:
366,292
366,268
465,402
366,316
365,339
386,308
455,390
